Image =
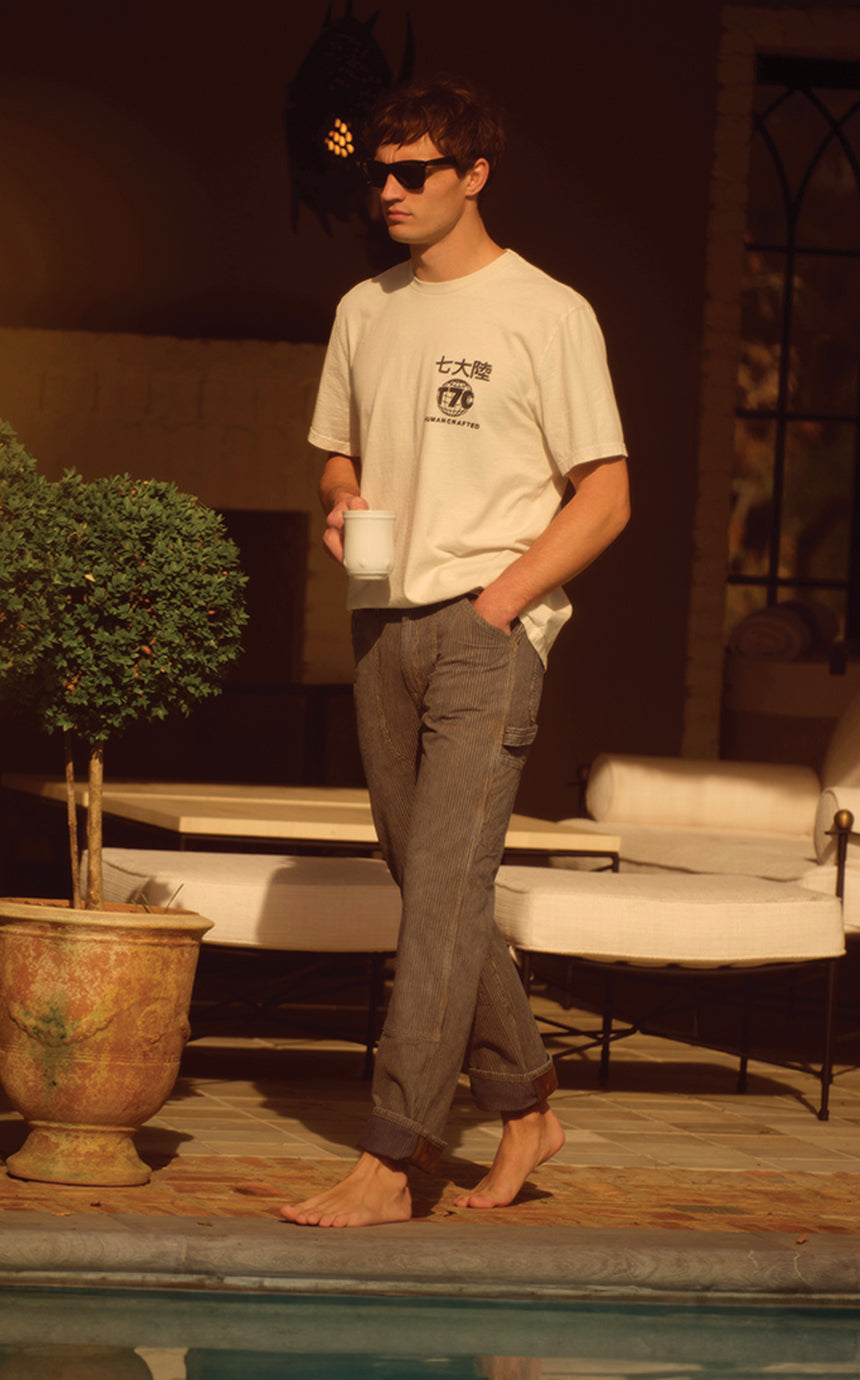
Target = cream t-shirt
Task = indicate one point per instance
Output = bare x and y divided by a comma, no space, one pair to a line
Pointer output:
468,402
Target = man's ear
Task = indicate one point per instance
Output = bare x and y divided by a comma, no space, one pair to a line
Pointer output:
476,177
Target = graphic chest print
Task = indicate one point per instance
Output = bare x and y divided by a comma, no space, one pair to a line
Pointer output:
455,393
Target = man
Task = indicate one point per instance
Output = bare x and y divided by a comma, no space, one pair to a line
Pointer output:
461,389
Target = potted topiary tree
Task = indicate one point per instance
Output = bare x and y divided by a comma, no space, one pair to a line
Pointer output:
120,599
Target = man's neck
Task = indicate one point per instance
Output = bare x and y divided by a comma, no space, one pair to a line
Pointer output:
456,256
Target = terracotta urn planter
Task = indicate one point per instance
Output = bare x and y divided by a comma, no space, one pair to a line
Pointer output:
93,1020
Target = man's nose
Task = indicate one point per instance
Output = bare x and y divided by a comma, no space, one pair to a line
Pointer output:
392,191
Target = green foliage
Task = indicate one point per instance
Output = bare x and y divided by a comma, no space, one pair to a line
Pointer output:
26,606
119,598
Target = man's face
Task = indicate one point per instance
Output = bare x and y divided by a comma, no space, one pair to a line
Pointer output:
425,217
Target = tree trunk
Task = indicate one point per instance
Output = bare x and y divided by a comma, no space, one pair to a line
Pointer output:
72,818
95,882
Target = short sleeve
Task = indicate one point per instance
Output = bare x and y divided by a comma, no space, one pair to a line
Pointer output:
334,426
579,414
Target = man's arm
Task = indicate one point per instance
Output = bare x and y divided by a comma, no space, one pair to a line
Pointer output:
340,489
597,512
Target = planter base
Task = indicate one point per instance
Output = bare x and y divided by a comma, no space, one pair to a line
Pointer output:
96,1157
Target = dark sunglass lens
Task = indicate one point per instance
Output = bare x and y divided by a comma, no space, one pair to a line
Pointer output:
376,173
410,174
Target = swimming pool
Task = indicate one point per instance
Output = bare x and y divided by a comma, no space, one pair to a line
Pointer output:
153,1334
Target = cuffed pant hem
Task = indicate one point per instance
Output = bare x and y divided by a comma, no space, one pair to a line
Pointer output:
504,1095
392,1142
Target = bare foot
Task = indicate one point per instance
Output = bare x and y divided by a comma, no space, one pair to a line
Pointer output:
528,1139
375,1191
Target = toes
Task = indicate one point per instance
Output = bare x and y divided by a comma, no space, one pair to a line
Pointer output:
302,1216
481,1187
483,1200
477,1198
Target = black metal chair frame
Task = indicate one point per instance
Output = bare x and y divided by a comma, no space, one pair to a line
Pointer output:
604,1036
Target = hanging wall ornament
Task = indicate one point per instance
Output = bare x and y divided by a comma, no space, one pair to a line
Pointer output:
327,103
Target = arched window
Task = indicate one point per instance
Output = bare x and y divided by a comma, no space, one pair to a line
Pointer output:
795,525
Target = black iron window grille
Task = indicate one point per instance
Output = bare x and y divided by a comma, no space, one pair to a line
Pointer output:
794,531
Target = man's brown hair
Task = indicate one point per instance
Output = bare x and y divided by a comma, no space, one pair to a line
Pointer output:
459,122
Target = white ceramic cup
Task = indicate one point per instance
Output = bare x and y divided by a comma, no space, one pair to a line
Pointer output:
368,543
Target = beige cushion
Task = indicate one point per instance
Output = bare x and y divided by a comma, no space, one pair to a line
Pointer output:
701,921
842,760
337,905
777,857
765,797
823,879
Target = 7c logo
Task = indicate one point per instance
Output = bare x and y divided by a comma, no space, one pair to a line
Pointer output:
454,397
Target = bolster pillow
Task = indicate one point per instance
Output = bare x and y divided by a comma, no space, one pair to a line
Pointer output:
761,796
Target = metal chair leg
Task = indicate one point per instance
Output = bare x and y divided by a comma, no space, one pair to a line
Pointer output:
829,1025
745,1037
606,1029
843,823
525,960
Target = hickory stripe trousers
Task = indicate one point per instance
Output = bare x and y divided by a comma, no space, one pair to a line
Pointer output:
447,708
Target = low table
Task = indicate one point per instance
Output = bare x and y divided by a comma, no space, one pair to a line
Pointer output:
198,815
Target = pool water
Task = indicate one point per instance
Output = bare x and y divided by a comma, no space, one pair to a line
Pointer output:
119,1334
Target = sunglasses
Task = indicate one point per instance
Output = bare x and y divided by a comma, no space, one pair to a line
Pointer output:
411,173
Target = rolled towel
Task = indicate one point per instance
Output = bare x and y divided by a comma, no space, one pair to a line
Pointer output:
783,632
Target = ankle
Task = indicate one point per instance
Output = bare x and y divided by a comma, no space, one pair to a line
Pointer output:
371,1163
526,1115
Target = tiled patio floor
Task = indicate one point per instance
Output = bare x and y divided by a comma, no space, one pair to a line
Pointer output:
253,1123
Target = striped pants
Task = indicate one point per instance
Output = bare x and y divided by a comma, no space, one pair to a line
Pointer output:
447,707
